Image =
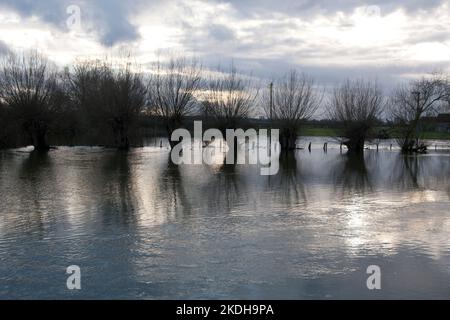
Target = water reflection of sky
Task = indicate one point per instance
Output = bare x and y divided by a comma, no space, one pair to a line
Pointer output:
140,226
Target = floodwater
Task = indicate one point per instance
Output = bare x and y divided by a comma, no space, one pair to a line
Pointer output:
141,227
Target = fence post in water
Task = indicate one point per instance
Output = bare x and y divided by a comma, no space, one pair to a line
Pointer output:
160,144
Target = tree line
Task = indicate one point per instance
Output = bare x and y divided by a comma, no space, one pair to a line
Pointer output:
100,102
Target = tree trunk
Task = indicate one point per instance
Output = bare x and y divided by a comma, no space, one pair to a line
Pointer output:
411,142
288,139
356,137
120,132
355,145
171,126
38,133
124,141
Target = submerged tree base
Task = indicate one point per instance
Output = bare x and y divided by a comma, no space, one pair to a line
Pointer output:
288,139
354,147
419,149
413,146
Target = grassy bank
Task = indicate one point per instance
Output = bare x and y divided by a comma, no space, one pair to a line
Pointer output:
316,131
437,135
313,131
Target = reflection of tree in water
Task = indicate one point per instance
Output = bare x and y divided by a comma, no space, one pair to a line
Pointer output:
406,173
228,188
351,174
35,164
448,189
38,182
120,203
171,188
286,185
420,172
446,168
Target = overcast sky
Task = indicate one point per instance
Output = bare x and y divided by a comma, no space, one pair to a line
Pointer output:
388,40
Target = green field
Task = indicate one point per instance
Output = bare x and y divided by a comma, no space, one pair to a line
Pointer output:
315,131
318,131
437,135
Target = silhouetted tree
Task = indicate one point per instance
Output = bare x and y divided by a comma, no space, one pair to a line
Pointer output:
294,100
4,120
409,103
172,92
357,105
229,98
112,94
30,87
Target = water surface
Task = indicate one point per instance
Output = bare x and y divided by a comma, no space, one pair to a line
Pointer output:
141,227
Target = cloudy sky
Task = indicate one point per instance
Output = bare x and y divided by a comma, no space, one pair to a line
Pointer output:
386,39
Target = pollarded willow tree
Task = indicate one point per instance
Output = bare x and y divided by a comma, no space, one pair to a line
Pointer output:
172,92
356,105
31,88
229,98
5,124
112,94
295,99
409,103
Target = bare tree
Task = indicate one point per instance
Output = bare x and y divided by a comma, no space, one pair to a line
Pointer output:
357,105
409,103
29,86
114,94
294,100
229,98
172,92
4,120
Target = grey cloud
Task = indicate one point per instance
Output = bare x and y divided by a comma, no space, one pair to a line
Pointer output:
305,8
107,19
279,38
429,36
388,73
208,38
276,45
4,49
221,32
112,17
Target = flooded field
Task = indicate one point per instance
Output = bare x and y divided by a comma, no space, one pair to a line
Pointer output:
140,227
